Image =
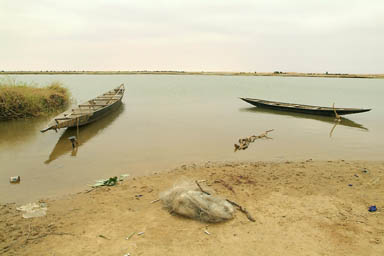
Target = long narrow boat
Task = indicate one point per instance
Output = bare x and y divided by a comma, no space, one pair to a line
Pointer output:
300,108
89,111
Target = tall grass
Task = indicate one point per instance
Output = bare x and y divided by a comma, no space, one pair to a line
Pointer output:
22,100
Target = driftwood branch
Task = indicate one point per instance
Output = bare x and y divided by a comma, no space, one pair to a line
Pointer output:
239,207
244,143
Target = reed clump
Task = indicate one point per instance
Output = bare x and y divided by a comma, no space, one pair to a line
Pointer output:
22,100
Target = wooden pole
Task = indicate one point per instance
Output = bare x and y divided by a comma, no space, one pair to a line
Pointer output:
77,118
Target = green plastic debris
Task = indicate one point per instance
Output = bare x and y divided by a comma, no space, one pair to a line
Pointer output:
110,182
107,182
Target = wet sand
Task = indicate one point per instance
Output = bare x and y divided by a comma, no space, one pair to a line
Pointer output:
301,208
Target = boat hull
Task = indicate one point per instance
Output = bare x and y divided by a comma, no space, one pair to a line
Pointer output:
88,112
306,109
96,115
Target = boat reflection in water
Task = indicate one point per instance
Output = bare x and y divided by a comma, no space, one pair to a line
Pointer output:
17,132
87,132
328,119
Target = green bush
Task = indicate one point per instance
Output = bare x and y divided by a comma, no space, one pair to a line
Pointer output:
21,100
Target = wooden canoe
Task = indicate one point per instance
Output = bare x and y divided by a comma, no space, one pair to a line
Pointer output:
89,111
300,108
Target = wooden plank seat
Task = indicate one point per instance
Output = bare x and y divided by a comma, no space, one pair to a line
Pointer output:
105,99
63,118
93,105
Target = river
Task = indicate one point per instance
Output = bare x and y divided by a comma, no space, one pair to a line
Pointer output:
169,120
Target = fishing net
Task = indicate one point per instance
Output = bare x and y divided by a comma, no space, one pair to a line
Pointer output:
186,199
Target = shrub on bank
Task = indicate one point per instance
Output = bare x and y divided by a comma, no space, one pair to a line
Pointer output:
21,100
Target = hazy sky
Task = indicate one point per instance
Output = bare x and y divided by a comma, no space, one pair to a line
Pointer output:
343,36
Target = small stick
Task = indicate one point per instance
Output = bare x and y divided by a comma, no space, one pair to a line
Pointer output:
29,232
154,201
242,209
90,190
104,237
54,233
264,135
129,237
201,189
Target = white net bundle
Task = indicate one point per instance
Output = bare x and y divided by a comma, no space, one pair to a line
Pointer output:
187,200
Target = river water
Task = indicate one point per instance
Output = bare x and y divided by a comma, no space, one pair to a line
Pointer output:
166,121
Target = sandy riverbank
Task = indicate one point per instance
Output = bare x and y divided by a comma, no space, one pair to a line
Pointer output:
301,208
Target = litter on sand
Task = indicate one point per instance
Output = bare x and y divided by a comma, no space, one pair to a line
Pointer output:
32,210
14,179
187,200
123,176
109,182
372,208
129,237
102,236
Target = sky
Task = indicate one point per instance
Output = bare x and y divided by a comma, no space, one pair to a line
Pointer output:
343,36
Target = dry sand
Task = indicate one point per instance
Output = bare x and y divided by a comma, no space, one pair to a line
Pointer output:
301,208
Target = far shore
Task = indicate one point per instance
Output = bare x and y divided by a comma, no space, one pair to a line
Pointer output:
276,73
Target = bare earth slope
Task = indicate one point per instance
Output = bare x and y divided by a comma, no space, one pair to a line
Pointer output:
301,208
